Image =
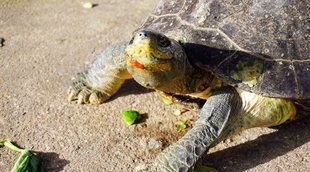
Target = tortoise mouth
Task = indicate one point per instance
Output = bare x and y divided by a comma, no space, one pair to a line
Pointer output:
150,63
137,57
142,55
137,64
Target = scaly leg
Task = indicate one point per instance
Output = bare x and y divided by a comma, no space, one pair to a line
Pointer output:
225,113
103,79
260,111
221,108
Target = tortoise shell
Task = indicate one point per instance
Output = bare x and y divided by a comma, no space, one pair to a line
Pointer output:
261,46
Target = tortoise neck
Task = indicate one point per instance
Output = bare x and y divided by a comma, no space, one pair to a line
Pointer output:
179,85
194,81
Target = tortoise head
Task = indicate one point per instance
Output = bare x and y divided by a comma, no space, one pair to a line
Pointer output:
154,60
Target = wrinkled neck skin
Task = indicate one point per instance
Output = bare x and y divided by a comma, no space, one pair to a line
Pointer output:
183,83
194,82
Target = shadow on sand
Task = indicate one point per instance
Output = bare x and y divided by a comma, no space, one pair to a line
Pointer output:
52,162
261,150
130,87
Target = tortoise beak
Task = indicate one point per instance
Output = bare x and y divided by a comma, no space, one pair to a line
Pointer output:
136,64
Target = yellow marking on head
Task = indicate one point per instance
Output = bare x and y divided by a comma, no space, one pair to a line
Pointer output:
147,48
139,50
141,53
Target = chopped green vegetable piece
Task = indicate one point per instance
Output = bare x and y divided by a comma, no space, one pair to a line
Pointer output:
35,164
7,143
202,168
22,161
130,116
27,161
181,125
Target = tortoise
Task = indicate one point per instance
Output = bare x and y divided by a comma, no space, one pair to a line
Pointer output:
248,59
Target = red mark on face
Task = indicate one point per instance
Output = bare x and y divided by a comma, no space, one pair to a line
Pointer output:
136,64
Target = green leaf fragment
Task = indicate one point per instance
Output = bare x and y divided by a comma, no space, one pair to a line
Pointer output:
27,161
130,116
35,164
181,125
7,143
22,161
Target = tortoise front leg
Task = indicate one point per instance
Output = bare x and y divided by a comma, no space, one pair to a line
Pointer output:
103,79
221,109
225,113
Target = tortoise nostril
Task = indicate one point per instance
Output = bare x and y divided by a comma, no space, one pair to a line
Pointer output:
143,35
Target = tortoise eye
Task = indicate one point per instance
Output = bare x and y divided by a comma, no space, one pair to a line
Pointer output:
163,41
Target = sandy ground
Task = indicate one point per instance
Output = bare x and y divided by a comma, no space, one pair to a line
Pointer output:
48,42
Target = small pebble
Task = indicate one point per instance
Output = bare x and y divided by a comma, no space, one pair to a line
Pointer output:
154,144
177,112
88,5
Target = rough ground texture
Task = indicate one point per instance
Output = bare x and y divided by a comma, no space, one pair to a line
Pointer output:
48,42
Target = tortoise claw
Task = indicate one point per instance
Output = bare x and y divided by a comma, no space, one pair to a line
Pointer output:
97,97
83,94
72,94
